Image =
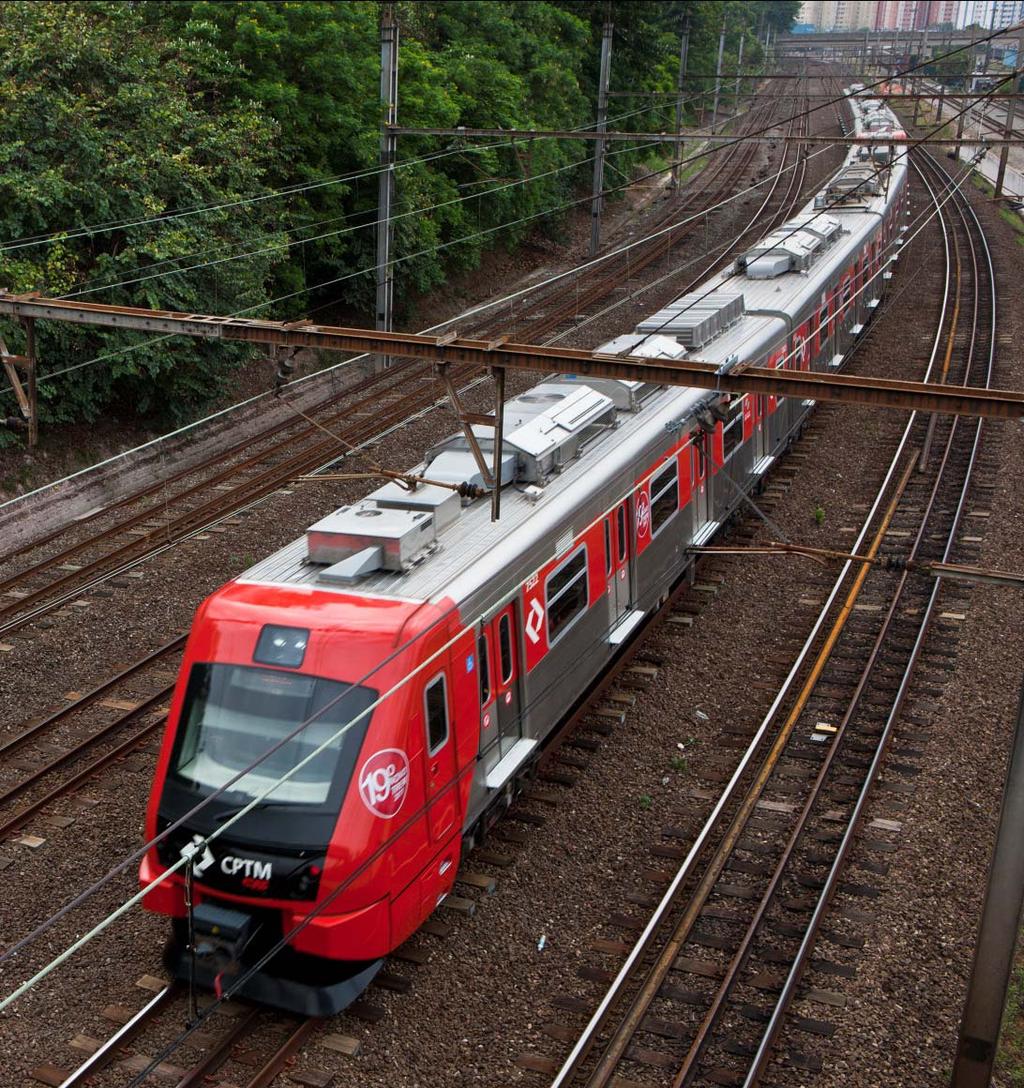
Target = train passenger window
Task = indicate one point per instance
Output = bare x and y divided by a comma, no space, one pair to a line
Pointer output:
567,594
621,516
505,647
664,495
435,709
607,546
732,429
485,669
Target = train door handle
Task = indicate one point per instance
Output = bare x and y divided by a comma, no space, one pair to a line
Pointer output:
435,769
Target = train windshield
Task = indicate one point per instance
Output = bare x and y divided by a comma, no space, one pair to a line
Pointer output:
234,713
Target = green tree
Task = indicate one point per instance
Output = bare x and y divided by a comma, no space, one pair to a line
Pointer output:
109,121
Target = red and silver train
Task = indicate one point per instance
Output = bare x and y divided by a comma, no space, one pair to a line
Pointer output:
454,645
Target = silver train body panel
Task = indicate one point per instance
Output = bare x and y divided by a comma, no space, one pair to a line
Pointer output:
576,450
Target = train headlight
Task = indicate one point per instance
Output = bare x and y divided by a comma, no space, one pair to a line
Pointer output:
281,646
305,881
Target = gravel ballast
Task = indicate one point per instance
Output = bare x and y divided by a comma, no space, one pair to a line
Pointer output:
483,997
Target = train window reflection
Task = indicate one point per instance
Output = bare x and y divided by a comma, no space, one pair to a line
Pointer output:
567,594
664,495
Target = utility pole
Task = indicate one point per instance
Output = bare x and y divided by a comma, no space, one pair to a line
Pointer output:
386,185
739,68
684,48
597,199
1008,129
718,79
997,933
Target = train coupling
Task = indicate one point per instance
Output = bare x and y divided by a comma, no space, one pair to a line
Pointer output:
219,937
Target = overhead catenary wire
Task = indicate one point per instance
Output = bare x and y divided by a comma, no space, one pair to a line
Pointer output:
718,147
289,244
468,149
138,1080
100,927
472,311
52,237
836,202
960,183
463,315
11,951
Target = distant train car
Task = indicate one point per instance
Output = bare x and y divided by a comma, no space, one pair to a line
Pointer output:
451,645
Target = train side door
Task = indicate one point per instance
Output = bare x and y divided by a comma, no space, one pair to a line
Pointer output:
617,536
486,671
699,488
506,677
439,753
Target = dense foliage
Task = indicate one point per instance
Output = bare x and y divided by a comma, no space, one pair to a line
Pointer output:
260,122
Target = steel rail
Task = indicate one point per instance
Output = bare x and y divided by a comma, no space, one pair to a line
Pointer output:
200,1073
276,1063
18,819
104,688
232,451
788,991
108,1051
689,1068
186,522
102,734
645,941
717,176
655,977
268,480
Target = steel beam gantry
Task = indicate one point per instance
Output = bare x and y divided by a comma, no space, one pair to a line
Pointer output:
451,348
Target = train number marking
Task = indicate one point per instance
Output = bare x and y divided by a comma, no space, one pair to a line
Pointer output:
384,782
643,515
534,620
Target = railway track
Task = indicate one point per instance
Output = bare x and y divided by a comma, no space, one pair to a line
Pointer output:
363,414
791,194
58,754
706,994
250,1044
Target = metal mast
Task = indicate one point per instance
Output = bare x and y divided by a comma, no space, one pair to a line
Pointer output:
388,154
597,200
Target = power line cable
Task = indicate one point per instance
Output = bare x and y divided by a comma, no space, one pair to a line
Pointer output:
118,912
51,237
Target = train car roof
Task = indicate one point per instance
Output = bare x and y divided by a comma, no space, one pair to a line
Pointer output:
622,421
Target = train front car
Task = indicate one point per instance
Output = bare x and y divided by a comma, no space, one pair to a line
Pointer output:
345,857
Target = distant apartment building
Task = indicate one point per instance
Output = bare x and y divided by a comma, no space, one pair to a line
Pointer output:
909,14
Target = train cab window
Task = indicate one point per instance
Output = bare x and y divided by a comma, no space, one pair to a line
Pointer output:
483,657
264,722
567,594
435,709
664,495
621,517
505,647
732,429
607,545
